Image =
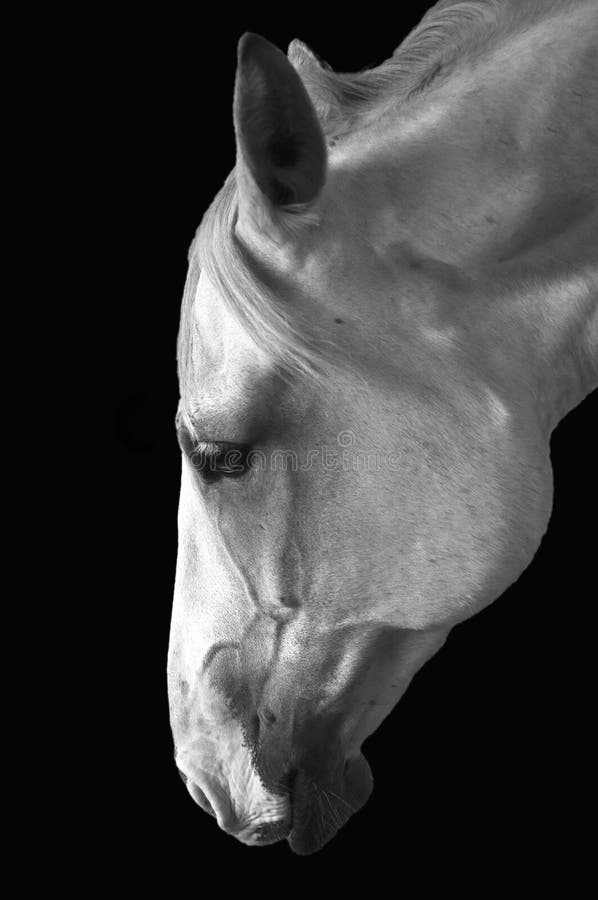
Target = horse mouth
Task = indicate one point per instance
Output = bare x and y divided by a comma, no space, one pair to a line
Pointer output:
271,833
318,807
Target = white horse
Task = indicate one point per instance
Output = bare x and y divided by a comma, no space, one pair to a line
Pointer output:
390,305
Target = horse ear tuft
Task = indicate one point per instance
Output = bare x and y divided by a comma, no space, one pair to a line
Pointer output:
279,137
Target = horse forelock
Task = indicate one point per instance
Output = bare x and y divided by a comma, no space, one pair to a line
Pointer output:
274,327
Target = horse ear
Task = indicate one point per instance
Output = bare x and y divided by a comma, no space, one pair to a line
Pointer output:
279,139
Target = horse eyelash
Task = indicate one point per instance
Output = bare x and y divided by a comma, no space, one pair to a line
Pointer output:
206,448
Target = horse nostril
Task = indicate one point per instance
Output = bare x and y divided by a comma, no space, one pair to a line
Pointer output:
197,794
201,799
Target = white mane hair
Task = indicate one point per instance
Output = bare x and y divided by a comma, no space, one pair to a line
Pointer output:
450,32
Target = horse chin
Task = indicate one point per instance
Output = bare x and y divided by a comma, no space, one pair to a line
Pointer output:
322,806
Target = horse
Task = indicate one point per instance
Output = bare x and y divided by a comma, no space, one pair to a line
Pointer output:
389,306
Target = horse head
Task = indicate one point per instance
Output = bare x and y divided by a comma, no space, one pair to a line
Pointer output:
364,462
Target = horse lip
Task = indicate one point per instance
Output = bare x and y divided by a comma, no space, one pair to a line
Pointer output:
347,793
272,832
305,836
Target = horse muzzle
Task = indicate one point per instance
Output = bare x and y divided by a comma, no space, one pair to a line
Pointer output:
314,807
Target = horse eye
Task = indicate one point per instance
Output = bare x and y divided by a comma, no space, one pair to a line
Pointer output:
219,460
214,460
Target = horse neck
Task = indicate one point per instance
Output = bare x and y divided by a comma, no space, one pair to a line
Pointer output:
489,183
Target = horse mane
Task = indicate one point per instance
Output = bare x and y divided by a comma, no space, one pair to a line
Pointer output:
451,31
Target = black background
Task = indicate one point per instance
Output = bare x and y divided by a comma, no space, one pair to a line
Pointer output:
487,758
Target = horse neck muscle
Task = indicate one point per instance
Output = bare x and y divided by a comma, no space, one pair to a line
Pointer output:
492,176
